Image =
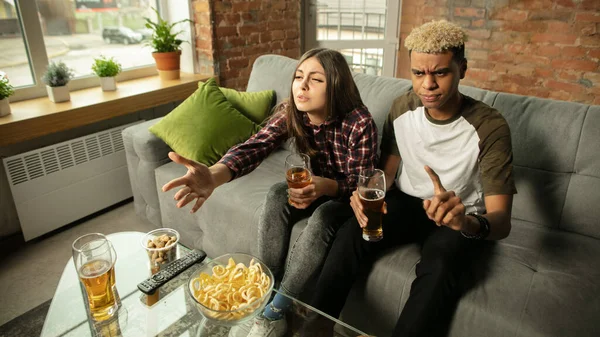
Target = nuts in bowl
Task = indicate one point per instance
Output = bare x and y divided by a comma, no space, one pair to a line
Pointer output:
161,246
231,288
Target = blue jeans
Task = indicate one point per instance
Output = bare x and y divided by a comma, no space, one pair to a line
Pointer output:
325,216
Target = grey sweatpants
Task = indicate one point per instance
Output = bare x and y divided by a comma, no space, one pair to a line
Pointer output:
308,253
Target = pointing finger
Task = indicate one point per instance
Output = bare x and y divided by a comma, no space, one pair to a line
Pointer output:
435,179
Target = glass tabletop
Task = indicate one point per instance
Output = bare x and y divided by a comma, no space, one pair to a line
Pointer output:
170,312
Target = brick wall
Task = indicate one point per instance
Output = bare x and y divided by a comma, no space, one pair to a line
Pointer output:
231,34
543,48
205,49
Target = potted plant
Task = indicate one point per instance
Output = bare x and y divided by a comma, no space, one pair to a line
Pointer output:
165,45
106,69
5,91
56,77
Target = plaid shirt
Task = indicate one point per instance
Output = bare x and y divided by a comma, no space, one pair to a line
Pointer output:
344,148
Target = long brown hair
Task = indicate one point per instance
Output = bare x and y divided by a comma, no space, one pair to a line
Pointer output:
342,96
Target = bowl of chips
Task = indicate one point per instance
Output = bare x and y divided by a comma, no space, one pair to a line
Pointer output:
231,288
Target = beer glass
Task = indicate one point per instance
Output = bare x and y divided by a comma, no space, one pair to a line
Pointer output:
297,171
371,190
94,262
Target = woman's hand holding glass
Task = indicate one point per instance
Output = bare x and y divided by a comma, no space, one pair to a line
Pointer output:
301,198
197,184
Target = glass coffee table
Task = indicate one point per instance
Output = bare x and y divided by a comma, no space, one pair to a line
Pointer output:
171,312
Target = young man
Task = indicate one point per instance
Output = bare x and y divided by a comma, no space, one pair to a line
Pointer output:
454,189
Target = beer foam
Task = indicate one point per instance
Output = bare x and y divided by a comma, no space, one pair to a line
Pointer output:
371,194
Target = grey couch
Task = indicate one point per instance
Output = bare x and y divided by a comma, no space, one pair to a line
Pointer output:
543,280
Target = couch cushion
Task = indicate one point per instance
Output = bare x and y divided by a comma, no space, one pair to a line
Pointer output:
171,216
261,78
228,220
532,285
486,96
144,153
204,126
541,195
144,144
272,72
378,94
582,212
564,292
536,282
545,133
588,160
254,105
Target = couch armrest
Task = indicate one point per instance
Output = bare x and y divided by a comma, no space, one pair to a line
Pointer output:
145,152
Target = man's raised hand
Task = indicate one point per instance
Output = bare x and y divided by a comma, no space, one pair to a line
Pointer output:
197,184
445,208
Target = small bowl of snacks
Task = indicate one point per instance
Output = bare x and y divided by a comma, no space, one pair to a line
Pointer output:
161,246
231,289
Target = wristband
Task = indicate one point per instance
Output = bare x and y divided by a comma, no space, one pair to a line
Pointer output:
484,228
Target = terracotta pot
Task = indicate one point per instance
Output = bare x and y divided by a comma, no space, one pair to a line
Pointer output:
4,107
108,83
168,64
58,94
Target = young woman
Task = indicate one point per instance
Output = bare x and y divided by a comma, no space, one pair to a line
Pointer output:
326,117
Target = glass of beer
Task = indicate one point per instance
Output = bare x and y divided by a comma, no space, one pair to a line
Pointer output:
94,262
371,190
297,171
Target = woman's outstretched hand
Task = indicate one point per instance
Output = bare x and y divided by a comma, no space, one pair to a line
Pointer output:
197,184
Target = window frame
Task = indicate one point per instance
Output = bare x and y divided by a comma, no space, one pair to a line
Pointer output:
33,38
389,43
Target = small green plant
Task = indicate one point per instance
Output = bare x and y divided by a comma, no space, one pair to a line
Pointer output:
106,67
5,88
57,74
163,40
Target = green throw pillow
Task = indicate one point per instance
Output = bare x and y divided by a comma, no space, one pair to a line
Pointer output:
254,105
204,126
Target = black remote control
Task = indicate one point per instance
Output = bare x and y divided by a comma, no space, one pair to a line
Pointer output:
171,270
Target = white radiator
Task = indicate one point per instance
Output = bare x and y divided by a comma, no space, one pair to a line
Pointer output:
58,184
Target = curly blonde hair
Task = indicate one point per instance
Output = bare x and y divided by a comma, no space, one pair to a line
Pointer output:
436,37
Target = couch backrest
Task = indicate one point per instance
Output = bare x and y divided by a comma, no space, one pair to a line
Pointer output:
272,72
557,162
556,144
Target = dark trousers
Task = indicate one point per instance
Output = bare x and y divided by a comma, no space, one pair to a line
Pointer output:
445,256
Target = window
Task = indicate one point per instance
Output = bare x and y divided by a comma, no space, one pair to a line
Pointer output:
76,32
14,60
345,25
351,20
368,61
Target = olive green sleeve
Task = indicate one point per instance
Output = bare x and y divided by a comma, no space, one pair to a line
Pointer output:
495,161
388,140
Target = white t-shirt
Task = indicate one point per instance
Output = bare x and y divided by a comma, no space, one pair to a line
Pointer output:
470,152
